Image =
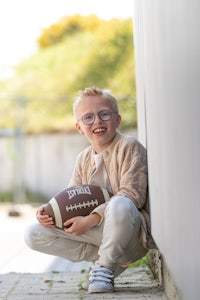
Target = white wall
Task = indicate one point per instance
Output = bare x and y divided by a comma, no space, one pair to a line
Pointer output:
44,163
167,51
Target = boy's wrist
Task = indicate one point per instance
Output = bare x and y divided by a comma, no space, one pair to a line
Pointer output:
94,218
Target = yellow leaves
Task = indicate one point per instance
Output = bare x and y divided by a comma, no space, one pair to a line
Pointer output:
66,26
72,24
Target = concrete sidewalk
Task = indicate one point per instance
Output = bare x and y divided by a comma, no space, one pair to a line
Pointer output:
134,283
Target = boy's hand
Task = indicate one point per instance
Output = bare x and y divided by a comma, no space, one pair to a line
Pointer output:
44,219
79,225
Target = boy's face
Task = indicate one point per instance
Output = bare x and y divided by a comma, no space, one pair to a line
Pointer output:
101,133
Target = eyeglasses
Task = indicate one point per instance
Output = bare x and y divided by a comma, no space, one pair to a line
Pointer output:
104,115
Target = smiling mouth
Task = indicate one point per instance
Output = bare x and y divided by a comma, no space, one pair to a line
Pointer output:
99,130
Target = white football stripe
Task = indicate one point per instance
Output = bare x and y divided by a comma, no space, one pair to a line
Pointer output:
83,205
106,195
57,214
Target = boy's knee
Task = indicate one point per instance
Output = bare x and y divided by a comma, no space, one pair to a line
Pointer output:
30,236
121,207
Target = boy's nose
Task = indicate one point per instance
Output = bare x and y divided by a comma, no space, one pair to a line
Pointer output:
97,119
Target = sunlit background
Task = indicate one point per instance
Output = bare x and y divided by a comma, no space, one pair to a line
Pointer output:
22,21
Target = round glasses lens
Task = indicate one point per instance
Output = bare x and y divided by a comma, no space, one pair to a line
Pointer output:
105,115
88,119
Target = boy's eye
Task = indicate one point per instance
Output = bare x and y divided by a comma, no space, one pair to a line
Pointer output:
104,113
88,117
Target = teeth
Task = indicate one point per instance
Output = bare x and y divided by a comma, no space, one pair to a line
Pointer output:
99,130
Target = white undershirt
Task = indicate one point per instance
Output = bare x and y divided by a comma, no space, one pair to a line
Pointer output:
100,176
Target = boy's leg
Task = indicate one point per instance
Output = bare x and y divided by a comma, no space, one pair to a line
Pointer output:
120,242
59,243
120,245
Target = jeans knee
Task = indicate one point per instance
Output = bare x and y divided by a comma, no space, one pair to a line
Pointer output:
121,207
30,236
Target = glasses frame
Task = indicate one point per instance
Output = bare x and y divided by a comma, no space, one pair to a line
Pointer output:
110,111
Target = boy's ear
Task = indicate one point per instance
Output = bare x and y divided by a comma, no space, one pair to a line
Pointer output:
118,120
78,128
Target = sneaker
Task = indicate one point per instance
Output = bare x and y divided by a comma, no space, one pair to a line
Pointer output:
101,280
85,283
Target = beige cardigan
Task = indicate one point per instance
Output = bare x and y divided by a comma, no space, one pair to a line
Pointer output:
126,164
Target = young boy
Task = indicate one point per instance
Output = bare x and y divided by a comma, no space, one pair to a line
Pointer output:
116,233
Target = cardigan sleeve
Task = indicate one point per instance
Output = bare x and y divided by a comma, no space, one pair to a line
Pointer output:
100,211
129,167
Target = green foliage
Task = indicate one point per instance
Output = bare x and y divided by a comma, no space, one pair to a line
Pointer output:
127,108
74,53
6,196
7,113
49,115
33,198
110,52
144,261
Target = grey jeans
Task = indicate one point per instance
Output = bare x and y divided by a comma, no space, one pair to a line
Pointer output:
113,244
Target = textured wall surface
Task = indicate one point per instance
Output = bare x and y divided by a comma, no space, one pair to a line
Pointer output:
167,50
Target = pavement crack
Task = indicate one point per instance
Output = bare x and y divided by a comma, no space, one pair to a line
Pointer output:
13,287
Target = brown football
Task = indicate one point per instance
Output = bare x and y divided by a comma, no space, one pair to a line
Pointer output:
75,201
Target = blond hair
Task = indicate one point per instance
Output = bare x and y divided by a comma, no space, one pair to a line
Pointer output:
94,91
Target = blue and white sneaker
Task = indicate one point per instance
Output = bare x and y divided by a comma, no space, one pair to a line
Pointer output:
101,280
116,273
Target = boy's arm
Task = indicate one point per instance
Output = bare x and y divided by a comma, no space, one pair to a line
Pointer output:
133,178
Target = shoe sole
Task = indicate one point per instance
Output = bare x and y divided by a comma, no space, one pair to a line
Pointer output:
96,290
